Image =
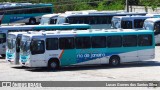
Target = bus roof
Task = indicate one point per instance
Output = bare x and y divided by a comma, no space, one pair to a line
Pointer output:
17,33
57,26
50,15
92,32
102,13
11,6
153,19
132,17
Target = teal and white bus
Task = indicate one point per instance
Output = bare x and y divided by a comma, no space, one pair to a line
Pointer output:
65,48
24,13
5,29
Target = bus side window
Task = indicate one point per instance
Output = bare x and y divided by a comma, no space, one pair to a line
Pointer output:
114,41
138,23
53,21
52,44
126,24
83,42
66,43
145,40
129,40
98,42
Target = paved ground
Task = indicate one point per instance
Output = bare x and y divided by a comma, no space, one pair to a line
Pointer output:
142,71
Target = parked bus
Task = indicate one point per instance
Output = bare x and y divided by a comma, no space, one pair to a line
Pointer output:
24,13
97,19
153,24
66,48
49,19
128,22
5,29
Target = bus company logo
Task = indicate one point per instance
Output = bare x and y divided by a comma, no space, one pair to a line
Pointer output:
6,84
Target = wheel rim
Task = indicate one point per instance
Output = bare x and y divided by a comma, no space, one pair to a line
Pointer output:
32,22
53,65
114,62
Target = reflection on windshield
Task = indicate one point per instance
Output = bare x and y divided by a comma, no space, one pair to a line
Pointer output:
10,43
25,47
115,24
44,21
60,20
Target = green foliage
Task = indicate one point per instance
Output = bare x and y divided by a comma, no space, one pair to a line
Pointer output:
69,5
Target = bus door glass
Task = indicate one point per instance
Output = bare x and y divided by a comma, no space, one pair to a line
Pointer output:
157,28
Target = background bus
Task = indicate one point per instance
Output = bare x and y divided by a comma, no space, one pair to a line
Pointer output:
49,19
66,48
5,29
13,45
153,24
128,22
97,19
24,13
12,48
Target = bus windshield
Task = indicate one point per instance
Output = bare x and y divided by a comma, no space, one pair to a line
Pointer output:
11,42
157,27
2,38
25,47
61,20
45,20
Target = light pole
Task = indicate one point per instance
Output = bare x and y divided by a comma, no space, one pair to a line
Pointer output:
127,7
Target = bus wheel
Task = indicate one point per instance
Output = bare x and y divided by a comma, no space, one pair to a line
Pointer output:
114,61
32,21
3,55
53,65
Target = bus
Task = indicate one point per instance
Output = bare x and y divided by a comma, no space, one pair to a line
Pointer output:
49,19
97,19
24,13
101,46
128,22
153,24
5,29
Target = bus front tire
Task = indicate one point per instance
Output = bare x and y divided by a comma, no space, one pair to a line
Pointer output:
53,65
114,61
32,21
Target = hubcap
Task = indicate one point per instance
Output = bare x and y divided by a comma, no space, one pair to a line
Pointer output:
32,22
114,62
53,65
